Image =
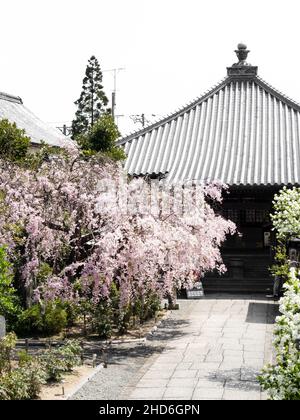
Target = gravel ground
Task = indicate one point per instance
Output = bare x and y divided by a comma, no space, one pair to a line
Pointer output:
125,362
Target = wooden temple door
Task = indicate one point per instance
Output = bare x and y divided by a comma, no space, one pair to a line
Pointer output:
249,254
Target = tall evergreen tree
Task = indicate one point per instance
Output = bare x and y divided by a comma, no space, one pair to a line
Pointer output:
92,102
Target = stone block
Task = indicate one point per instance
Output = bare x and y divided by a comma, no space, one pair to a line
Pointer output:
183,382
208,393
185,374
2,326
152,383
147,393
179,393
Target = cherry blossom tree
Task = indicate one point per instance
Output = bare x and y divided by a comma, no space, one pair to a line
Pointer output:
75,227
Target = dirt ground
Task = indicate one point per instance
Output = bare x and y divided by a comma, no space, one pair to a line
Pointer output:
101,349
70,383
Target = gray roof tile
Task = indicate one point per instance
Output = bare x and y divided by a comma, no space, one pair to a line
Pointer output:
242,132
12,108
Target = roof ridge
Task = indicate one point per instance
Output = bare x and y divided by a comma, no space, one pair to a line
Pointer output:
176,113
11,98
291,102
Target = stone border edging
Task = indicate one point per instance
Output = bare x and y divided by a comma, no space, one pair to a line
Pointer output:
84,381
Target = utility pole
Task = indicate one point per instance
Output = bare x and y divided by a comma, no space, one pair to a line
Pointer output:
92,120
66,130
114,93
113,104
141,119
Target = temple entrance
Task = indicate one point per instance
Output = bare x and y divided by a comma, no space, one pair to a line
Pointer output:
249,254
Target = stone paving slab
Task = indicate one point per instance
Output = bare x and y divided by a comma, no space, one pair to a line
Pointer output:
219,346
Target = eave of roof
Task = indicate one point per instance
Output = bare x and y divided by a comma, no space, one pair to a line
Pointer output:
11,98
276,93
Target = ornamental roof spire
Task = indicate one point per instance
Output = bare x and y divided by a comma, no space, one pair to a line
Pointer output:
242,69
242,54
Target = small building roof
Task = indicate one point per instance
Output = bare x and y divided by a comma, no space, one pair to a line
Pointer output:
242,132
12,108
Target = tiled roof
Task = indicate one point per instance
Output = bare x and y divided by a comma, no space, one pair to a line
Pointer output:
242,132
12,108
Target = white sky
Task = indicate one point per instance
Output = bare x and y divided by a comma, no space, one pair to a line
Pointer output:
172,50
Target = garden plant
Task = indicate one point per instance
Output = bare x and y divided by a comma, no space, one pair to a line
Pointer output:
282,379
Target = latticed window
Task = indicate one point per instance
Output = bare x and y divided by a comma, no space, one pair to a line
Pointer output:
262,216
256,215
248,216
234,215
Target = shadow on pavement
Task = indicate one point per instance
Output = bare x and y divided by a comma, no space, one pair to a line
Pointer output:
262,313
244,379
120,353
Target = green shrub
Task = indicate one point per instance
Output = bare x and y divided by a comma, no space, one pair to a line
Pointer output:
154,305
34,376
71,352
3,390
30,321
24,358
13,387
22,383
7,345
123,320
25,381
102,139
9,304
72,312
106,313
282,380
50,321
57,361
55,319
281,267
14,143
103,319
53,365
146,307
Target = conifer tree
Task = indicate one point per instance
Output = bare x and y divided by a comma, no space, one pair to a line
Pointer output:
92,102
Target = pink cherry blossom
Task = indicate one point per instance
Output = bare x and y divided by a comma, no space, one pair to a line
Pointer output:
93,227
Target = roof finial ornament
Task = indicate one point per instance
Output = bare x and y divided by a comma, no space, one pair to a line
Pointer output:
242,54
242,69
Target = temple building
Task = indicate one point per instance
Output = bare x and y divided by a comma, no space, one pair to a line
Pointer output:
13,109
244,133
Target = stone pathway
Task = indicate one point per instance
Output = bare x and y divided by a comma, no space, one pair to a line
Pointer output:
213,349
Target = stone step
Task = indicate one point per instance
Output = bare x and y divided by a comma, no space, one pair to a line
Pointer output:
236,290
249,285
